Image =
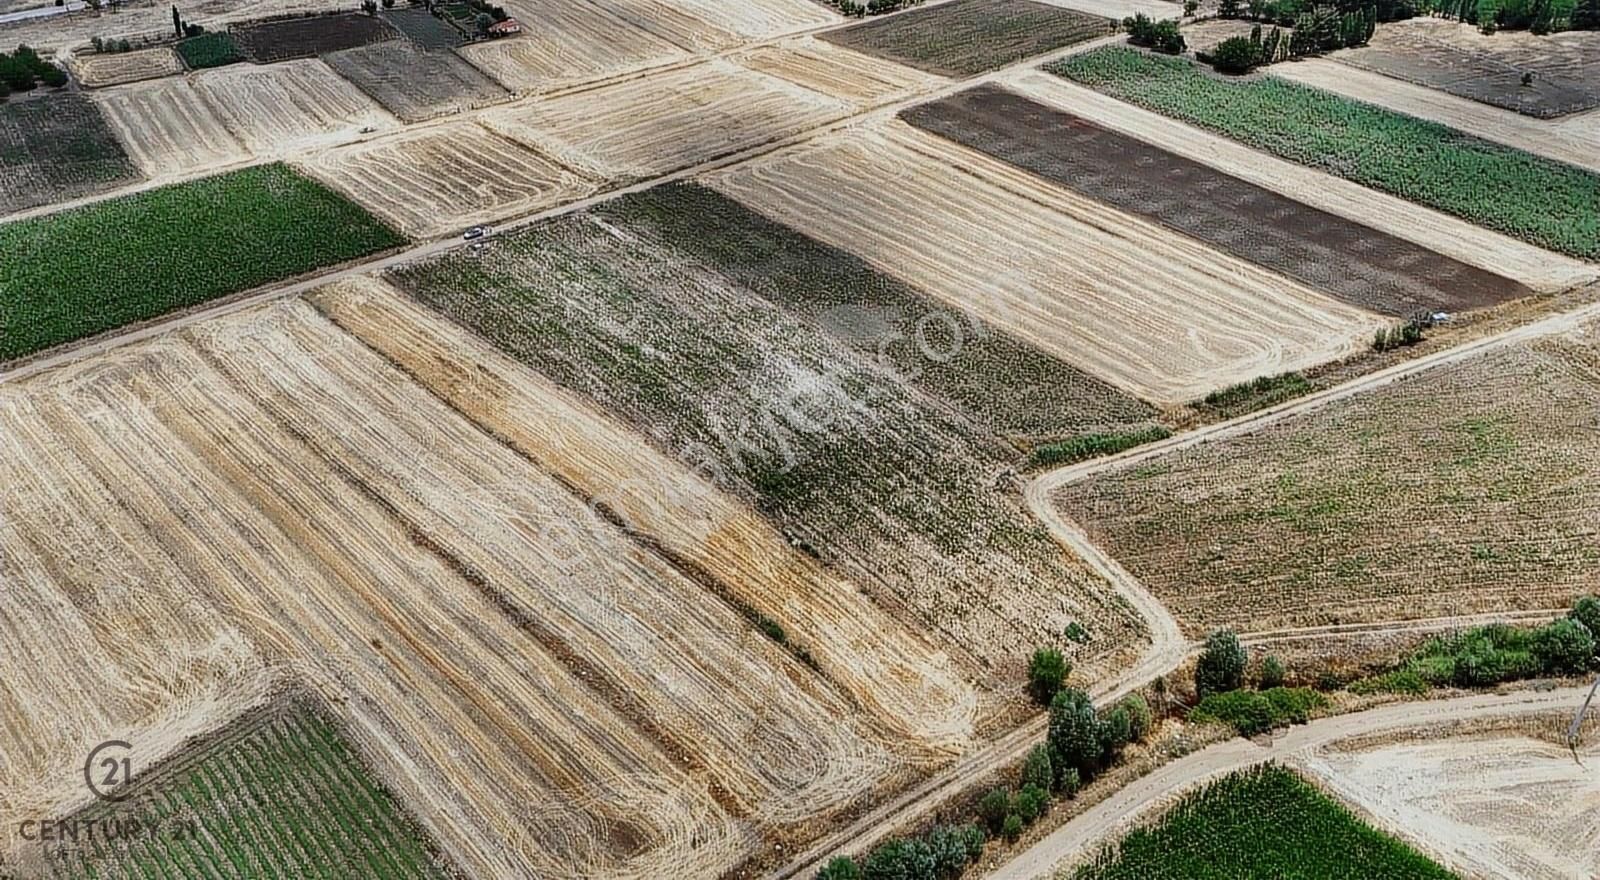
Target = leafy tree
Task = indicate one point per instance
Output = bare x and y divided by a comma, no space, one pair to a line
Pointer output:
951,848
1587,612
1074,733
1272,673
908,859
1236,55
1047,672
994,807
1031,803
1037,768
1221,666
1113,732
1585,16
1139,717
1228,9
1563,647
1012,829
483,21
840,868
1068,782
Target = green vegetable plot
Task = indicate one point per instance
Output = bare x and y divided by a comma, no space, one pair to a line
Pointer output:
1540,201
83,271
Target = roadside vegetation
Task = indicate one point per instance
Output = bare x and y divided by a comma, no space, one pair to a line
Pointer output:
1489,655
1264,822
1543,202
86,270
1259,393
1086,446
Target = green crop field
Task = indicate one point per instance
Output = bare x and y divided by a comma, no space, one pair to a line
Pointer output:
1265,823
78,272
1542,202
281,796
209,50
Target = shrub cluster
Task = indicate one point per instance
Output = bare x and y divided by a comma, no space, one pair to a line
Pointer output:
1162,36
1087,446
1253,712
23,69
940,854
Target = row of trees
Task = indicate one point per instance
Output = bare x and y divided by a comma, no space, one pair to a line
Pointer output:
23,70
871,7
1538,16
1162,36
1317,30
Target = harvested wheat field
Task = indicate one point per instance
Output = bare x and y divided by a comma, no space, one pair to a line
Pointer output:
1453,237
574,42
1162,317
662,122
137,22
415,84
102,638
441,178
525,649
1454,57
849,461
1488,805
1573,139
759,18
966,37
908,686
841,73
98,69
1343,258
169,127
1469,488
284,109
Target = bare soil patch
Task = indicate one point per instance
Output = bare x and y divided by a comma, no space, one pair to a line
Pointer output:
1357,264
832,70
415,84
1455,58
271,41
966,37
1471,488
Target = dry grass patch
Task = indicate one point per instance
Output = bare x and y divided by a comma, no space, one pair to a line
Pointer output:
662,122
285,109
831,70
170,127
439,179
573,42
99,69
1121,298
1470,488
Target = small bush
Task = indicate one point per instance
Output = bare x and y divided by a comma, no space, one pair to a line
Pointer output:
1031,803
1221,666
1563,647
840,868
1587,612
1272,673
1047,672
1012,829
1037,769
1113,732
994,807
1139,717
1398,681
1236,55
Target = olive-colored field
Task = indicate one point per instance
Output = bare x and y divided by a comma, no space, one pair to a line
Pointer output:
55,148
966,37
415,84
1469,488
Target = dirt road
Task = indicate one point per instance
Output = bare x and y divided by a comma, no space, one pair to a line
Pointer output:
1114,815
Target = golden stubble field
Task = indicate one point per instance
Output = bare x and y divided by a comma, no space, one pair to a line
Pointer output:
1158,315
536,629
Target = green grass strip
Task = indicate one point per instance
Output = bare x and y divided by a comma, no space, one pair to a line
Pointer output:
82,271
1088,446
1264,823
1541,201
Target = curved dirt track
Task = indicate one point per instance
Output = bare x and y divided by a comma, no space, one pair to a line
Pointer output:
1117,813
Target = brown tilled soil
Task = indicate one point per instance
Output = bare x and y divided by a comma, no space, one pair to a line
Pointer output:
305,37
966,37
1456,59
1352,262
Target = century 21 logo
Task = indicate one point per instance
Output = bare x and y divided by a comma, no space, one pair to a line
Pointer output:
109,769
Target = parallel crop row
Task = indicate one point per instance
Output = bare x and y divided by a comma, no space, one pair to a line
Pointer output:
1540,201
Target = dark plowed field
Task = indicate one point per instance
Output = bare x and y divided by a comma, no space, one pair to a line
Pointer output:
965,37
423,28
54,148
306,37
413,83
1345,259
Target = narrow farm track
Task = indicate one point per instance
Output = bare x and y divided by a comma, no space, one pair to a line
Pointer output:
1169,646
1106,820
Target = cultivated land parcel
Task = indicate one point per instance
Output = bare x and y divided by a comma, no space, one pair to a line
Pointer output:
674,529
